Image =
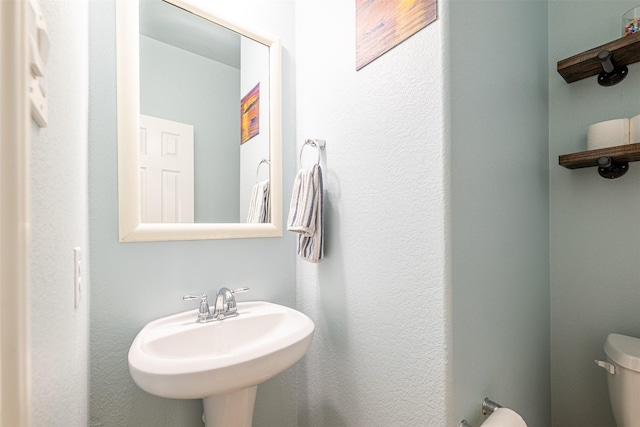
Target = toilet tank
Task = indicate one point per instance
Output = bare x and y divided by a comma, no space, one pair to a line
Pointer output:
624,385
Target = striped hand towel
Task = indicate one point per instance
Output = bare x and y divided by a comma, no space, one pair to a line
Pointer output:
259,207
306,213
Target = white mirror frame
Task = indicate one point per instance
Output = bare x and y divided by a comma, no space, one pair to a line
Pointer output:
128,93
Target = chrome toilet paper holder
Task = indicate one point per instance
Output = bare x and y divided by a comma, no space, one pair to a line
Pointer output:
488,408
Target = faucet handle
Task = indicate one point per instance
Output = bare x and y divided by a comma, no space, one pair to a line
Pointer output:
240,291
191,297
203,312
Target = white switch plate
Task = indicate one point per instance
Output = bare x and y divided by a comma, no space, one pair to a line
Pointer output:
77,276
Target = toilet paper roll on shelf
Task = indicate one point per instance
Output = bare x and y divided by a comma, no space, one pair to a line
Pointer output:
611,133
634,130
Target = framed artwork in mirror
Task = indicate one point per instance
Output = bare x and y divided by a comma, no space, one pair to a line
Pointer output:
250,114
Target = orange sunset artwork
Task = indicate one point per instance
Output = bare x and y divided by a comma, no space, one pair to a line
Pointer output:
250,115
383,24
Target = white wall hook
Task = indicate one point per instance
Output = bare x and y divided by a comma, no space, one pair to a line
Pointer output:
39,46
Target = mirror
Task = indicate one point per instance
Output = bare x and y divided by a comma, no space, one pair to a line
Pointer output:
190,82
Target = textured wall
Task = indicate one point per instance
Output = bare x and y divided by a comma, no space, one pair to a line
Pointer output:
594,221
499,129
59,213
379,356
133,283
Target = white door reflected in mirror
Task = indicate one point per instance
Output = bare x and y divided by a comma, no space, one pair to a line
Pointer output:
166,171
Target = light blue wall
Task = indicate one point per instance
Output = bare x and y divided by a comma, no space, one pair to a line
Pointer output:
181,86
595,272
133,283
59,332
499,136
380,297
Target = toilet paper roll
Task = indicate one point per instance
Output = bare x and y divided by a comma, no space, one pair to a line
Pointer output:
504,417
608,134
634,129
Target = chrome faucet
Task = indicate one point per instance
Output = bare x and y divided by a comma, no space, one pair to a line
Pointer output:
224,308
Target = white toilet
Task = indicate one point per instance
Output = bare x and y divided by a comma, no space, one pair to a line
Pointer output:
623,367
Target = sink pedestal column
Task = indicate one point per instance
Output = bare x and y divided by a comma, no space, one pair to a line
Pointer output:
231,409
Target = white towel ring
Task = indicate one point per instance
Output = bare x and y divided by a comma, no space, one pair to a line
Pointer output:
258,169
318,143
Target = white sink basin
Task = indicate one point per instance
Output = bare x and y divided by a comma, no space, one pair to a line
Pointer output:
176,357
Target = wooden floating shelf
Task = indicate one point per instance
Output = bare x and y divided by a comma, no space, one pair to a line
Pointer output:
625,51
586,159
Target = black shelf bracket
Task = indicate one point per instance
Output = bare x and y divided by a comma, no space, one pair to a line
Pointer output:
611,169
612,74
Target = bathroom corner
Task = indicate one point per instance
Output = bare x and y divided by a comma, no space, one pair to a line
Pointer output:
500,209
461,260
594,291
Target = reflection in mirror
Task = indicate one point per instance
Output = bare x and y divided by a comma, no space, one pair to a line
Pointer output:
187,79
198,125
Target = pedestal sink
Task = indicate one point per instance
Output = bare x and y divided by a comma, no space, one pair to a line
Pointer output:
221,362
